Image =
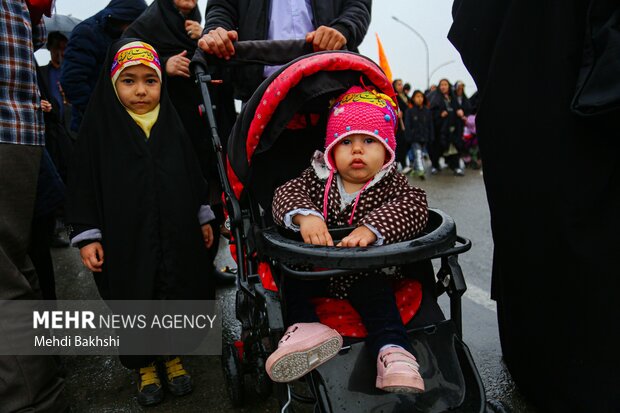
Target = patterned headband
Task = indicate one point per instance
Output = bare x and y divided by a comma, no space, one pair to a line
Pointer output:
135,53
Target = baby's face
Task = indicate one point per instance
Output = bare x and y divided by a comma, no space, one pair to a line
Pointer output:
359,158
138,88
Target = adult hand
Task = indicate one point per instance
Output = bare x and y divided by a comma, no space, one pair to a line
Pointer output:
313,230
178,65
444,113
193,29
219,42
359,237
207,235
92,256
460,113
46,106
326,38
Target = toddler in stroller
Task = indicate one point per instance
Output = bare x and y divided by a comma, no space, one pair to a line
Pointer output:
357,184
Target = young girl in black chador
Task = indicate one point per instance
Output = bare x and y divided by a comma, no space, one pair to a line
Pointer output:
137,202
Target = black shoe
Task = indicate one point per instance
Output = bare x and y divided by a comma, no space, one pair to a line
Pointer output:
150,391
179,381
226,275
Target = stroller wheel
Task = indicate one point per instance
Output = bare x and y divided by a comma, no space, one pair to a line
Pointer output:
233,374
495,406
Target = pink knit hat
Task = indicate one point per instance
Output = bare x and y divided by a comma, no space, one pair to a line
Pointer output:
361,111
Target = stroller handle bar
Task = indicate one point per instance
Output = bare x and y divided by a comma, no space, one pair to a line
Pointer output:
438,242
266,52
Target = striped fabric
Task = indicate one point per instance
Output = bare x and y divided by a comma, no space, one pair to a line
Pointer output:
21,119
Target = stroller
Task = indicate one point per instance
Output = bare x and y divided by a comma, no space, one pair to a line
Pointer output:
272,141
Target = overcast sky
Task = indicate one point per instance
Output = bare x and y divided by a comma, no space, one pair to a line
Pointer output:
405,51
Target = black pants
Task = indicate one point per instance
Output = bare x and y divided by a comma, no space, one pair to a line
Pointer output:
402,147
435,151
39,251
372,297
27,383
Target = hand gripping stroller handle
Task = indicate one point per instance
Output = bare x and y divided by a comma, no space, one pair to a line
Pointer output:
266,52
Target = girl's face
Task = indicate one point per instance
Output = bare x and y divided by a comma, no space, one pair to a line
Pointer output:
359,158
444,87
138,88
185,6
418,99
398,86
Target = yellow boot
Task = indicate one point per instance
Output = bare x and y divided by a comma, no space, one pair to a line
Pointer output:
149,386
179,381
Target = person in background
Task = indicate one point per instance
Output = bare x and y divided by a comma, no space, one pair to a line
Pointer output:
407,91
448,124
461,98
420,130
27,383
86,51
58,136
50,78
327,25
401,144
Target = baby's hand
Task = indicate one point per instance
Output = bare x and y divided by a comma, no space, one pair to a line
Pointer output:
359,237
207,235
313,230
92,256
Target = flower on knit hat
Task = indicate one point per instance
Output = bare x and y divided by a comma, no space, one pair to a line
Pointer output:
362,111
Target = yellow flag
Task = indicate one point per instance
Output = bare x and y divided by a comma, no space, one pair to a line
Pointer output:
383,59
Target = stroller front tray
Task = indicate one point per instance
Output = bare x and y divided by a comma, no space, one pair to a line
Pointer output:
438,239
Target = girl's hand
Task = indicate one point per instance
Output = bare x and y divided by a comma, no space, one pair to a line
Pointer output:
178,65
92,256
46,106
207,235
313,230
193,29
359,237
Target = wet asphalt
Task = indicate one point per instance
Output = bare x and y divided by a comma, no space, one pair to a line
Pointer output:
101,384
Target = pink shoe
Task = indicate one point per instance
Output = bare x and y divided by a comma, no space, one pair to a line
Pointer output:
303,347
397,372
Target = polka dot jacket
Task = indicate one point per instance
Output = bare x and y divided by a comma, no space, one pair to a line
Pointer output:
397,210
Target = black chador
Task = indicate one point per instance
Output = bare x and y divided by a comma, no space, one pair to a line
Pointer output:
144,196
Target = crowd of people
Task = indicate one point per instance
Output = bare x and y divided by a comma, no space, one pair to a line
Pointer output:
435,124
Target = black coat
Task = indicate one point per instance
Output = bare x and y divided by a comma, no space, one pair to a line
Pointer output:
58,141
144,196
250,19
448,130
554,218
419,125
